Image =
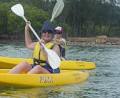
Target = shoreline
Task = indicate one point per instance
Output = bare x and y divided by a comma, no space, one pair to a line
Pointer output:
79,41
94,41
91,44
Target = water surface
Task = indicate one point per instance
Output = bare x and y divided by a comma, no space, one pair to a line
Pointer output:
104,81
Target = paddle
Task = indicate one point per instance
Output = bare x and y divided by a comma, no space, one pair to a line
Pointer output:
57,9
53,58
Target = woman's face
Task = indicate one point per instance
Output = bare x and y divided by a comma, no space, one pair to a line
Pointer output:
46,36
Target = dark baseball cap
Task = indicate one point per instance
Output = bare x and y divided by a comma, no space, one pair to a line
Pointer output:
48,27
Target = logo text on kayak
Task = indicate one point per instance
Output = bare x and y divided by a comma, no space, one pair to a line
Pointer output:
46,79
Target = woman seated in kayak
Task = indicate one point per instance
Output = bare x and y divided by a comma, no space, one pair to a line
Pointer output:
58,39
40,63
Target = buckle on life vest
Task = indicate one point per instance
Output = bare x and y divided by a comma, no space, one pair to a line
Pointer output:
38,62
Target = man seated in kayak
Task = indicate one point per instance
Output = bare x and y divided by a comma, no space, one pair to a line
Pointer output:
60,41
40,63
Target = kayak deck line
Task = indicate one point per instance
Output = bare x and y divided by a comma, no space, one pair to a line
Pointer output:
9,62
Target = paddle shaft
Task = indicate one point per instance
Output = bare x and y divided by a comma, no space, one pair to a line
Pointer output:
33,31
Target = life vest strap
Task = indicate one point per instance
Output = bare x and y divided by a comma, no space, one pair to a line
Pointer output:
38,62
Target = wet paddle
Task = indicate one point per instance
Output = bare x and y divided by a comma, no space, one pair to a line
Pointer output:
53,58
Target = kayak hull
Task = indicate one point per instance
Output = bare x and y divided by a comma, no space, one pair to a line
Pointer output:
42,80
9,62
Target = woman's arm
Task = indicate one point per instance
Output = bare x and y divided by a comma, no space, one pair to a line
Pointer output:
28,41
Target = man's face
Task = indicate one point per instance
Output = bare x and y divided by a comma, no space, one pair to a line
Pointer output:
58,35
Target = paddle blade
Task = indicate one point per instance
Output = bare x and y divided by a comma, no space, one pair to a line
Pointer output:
18,10
57,9
53,58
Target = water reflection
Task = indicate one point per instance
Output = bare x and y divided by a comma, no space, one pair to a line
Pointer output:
52,92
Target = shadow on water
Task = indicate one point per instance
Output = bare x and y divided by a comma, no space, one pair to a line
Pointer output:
104,81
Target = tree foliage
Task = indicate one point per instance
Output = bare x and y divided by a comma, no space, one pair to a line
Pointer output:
79,17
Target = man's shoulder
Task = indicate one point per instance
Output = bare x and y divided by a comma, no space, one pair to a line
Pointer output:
63,39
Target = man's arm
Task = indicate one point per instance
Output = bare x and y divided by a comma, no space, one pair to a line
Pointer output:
56,49
63,43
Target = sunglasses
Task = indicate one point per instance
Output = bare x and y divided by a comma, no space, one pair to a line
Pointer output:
45,31
58,32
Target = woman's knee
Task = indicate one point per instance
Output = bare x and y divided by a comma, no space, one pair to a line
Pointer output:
24,64
41,69
37,68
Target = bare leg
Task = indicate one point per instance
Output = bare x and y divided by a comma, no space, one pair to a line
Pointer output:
38,69
22,67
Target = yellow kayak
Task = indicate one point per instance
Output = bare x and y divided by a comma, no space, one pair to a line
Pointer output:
42,80
9,62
